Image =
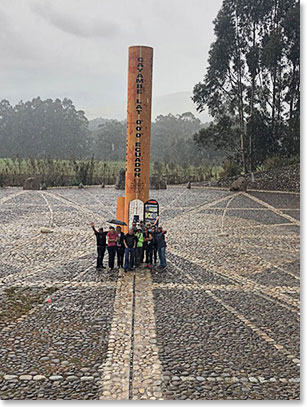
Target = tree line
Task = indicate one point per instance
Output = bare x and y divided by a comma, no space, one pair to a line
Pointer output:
56,129
252,84
43,128
171,140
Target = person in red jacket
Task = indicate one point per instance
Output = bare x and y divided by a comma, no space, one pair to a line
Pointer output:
111,246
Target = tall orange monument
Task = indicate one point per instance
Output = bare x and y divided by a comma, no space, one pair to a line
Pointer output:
138,135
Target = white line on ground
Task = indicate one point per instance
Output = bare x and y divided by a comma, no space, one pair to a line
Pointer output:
76,206
106,208
272,208
259,331
200,207
7,198
116,368
50,209
147,371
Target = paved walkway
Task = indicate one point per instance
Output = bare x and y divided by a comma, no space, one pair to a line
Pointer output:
221,323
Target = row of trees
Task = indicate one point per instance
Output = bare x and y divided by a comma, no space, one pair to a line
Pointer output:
41,128
46,128
171,140
252,83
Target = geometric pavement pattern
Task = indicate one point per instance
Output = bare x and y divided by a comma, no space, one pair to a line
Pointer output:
221,323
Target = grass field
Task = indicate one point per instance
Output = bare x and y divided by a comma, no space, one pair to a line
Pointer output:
53,172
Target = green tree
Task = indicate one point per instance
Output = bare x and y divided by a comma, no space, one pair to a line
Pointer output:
6,128
252,78
172,138
41,128
110,140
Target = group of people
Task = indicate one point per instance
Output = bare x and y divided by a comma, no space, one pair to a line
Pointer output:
141,242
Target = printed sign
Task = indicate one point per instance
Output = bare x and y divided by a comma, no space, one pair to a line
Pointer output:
136,208
151,211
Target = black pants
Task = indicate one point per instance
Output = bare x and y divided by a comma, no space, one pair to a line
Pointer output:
112,253
100,255
138,256
149,251
155,252
120,256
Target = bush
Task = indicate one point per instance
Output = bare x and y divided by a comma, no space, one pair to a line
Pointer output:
230,169
278,162
58,172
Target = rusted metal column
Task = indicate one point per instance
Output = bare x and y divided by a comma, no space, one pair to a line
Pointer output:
138,129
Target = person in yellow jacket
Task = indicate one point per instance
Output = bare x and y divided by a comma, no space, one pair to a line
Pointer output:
139,247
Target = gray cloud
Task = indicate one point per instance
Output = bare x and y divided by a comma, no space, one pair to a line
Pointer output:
14,46
84,26
79,49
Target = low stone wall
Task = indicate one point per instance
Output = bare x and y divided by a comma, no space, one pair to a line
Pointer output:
278,179
17,180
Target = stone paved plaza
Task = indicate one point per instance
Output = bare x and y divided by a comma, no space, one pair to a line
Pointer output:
221,323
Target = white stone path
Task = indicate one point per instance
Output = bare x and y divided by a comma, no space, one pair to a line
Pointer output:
132,369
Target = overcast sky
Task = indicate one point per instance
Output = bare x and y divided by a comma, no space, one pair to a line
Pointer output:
79,49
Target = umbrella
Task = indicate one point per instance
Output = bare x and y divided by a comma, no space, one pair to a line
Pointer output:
117,222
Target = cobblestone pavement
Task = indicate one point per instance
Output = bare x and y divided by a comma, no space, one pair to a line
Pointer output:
222,322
